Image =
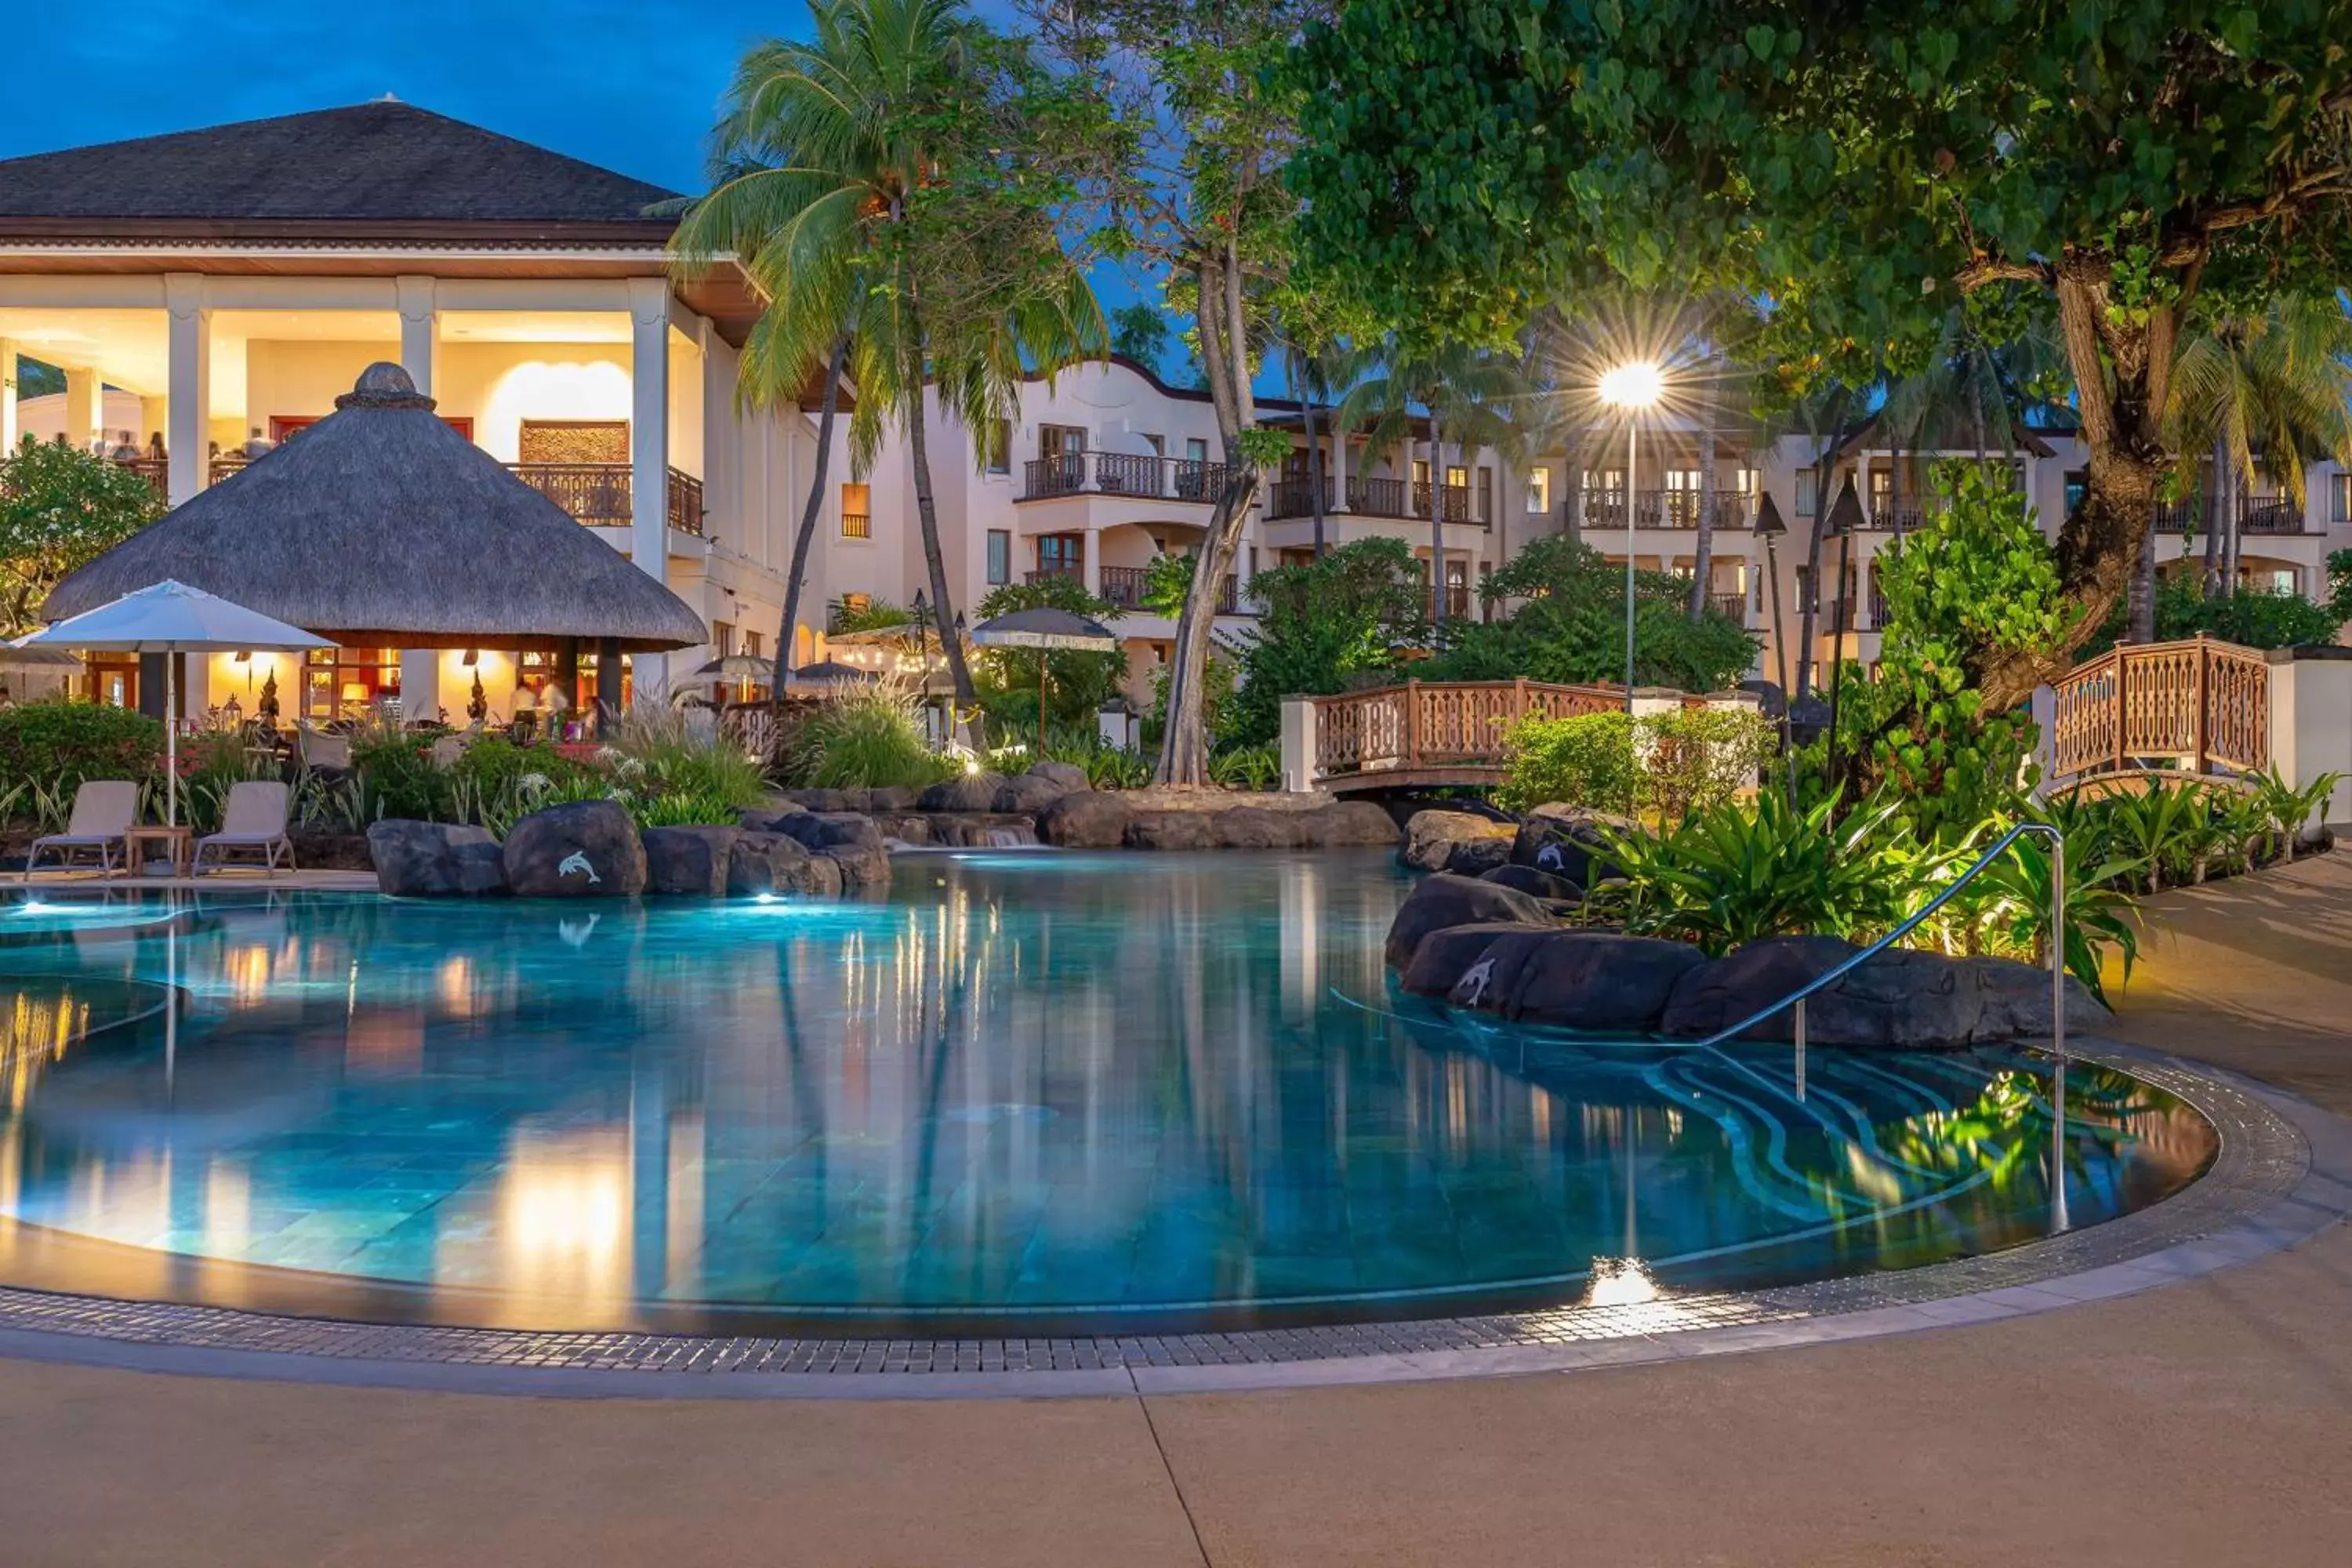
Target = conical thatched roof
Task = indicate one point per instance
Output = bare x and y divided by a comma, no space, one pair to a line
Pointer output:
382,527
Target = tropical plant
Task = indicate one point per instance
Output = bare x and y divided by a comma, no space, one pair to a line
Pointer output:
862,740
2094,153
396,774
870,614
684,808
2284,810
62,743
665,748
1075,683
1255,767
1586,759
1323,627
59,508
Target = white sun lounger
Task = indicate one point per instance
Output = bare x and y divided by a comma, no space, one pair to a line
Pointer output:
103,810
254,819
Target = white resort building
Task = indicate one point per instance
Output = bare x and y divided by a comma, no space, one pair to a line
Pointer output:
210,290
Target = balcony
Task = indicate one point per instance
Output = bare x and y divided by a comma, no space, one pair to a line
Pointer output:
156,471
1735,510
1136,474
1293,496
597,494
1124,586
1732,605
2267,516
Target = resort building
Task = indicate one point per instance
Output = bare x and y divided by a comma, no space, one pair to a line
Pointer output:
204,295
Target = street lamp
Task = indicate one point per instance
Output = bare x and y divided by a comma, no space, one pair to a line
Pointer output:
1633,387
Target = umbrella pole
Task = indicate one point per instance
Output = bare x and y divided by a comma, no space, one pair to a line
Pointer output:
171,741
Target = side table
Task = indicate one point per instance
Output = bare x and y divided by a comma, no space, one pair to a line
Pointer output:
178,840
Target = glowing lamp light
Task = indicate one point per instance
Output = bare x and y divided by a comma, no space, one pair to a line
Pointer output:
1635,385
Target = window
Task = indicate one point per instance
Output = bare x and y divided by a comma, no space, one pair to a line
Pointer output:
722,639
999,557
2283,582
2343,489
1159,445
857,511
1747,481
1196,449
346,682
1060,440
1539,490
2078,485
1486,493
1000,446
1809,490
751,643
1421,473
1062,555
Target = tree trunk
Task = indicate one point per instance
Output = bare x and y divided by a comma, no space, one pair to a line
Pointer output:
1572,502
2211,582
1809,612
1436,533
1703,567
927,511
2139,605
2232,535
2121,366
1313,473
805,540
1225,358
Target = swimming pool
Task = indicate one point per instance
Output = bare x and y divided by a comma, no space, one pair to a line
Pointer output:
1025,1093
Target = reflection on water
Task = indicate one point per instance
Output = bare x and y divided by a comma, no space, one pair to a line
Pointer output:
1041,1090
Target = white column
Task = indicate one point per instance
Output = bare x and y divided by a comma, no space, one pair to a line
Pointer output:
7,396
1299,745
1092,565
649,448
420,330
2311,720
1338,470
722,512
420,684
85,408
189,411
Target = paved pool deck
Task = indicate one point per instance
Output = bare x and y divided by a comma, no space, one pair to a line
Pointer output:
2204,1422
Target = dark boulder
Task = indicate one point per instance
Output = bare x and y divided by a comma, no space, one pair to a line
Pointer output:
853,843
1171,830
1086,820
1722,991
1565,841
911,831
1069,775
587,848
1592,980
435,860
775,863
1444,955
884,799
1255,827
966,791
1902,999
1029,793
1476,857
983,830
1534,883
688,860
1444,900
763,818
1431,835
1348,824
825,799
2016,999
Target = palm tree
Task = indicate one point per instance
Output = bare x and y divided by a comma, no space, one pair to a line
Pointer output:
1470,392
860,170
2269,388
1316,366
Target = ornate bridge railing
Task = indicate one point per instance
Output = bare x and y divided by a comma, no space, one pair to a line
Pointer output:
1396,733
2199,704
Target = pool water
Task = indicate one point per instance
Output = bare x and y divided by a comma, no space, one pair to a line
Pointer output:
1025,1093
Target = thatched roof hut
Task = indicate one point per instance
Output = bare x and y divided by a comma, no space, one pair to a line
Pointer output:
382,527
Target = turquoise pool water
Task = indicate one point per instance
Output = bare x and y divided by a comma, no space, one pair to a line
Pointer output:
1026,1093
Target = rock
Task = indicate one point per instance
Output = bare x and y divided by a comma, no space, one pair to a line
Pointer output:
983,830
852,842
1255,827
1444,900
1592,980
690,860
1029,793
1069,775
1348,823
1173,830
763,818
1722,991
588,849
1565,841
1534,883
775,863
1899,1000
1086,820
1431,835
435,860
884,799
821,799
911,831
2016,1000
1476,857
966,791
1444,955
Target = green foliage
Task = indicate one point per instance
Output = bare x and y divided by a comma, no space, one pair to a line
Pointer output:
1323,627
864,740
1107,766
1662,765
61,744
1570,626
211,764
684,808
1139,332
660,749
398,777
61,508
1246,767
2285,811
2251,618
874,615
1077,684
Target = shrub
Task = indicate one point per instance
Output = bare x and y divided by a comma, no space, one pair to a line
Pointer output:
1700,757
1587,760
864,740
661,749
684,808
397,777
63,743
1322,627
1663,764
1246,767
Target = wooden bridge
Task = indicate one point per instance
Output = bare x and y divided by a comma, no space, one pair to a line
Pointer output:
1426,734
2198,707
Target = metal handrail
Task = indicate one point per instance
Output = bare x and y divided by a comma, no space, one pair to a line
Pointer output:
2057,946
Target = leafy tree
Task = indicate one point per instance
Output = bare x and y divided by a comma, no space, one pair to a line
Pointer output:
1570,626
1861,166
1077,683
59,508
886,184
1322,627
1189,124
1139,332
2254,617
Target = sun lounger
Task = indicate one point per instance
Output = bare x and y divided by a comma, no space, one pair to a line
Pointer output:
103,810
254,819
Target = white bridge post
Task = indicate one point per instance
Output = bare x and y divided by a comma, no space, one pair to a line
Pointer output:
2311,720
1299,745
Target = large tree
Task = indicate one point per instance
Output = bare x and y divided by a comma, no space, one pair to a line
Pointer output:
61,508
1860,166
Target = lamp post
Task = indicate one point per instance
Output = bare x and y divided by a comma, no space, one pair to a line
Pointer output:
1633,387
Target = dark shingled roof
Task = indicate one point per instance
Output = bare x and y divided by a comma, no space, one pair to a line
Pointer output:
382,527
373,164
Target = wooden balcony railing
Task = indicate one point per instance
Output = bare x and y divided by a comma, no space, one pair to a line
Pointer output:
598,494
1123,585
1733,605
2200,704
1605,509
1136,474
686,503
1456,503
225,465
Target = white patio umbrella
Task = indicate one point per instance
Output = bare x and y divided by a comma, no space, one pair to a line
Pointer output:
170,617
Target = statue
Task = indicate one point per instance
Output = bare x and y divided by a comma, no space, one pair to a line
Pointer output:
478,706
267,707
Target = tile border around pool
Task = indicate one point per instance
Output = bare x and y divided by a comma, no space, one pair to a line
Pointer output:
2283,1174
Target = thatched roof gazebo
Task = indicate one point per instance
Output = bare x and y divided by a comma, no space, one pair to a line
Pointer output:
382,527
